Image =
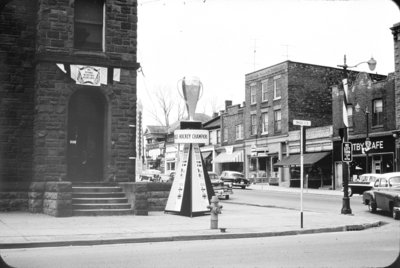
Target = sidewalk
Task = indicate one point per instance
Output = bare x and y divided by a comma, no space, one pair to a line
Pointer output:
267,187
24,230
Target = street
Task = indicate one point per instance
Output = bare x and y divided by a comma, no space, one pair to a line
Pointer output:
311,202
377,247
373,247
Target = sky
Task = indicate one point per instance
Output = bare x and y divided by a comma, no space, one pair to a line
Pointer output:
220,41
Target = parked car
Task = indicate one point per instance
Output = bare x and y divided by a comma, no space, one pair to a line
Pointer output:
221,189
385,195
363,183
152,175
235,178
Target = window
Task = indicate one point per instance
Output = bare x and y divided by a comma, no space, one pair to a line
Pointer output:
88,27
253,124
264,91
253,94
277,87
239,132
350,115
277,121
218,136
264,118
226,134
377,116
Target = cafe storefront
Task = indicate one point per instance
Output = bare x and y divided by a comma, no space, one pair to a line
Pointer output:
376,155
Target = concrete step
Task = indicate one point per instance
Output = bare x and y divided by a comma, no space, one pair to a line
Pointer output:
101,212
98,195
106,200
96,189
99,199
101,206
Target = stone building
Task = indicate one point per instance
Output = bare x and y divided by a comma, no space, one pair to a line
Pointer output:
68,94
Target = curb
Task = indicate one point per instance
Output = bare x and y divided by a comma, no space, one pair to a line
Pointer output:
345,228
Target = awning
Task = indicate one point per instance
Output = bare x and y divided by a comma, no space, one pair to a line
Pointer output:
308,159
229,158
205,154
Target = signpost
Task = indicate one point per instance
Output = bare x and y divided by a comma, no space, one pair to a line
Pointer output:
347,153
301,123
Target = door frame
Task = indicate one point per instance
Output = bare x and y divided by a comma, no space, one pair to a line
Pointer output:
106,129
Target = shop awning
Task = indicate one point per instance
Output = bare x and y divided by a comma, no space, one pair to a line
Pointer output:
294,160
229,158
205,154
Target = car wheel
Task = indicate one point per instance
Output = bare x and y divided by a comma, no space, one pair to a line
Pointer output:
243,187
226,197
372,207
395,214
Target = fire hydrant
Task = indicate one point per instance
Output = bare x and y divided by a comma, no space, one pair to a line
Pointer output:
215,209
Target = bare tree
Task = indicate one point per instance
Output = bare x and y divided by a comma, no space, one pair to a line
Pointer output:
163,104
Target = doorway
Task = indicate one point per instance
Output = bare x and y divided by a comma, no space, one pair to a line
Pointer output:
86,119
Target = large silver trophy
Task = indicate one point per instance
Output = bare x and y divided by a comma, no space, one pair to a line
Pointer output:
191,189
191,90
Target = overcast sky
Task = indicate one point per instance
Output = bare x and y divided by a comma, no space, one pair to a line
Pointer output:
220,41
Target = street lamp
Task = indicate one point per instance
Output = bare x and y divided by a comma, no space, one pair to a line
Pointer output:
367,140
346,200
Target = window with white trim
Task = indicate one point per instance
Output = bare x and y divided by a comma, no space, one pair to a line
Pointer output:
264,118
277,121
253,94
239,132
253,124
264,91
277,88
89,25
218,136
226,134
377,115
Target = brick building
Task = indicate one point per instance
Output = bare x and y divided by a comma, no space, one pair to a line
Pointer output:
68,93
371,111
275,96
230,155
396,40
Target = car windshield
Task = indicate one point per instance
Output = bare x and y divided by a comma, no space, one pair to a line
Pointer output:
366,178
395,180
236,175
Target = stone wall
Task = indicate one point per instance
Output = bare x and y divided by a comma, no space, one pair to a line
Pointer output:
146,196
14,196
17,47
57,199
51,198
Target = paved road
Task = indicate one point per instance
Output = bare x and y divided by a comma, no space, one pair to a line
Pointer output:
311,202
377,247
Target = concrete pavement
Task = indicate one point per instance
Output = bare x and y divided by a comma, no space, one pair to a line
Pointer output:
22,230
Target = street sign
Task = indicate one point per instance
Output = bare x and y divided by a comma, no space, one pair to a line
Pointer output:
347,153
302,123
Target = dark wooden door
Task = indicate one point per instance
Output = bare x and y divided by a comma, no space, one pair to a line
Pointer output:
86,135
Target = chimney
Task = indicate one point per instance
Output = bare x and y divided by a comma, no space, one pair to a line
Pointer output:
227,103
215,114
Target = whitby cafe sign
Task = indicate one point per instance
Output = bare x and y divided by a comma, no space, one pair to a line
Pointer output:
372,145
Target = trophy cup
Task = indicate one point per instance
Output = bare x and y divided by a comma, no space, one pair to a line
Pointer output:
191,90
